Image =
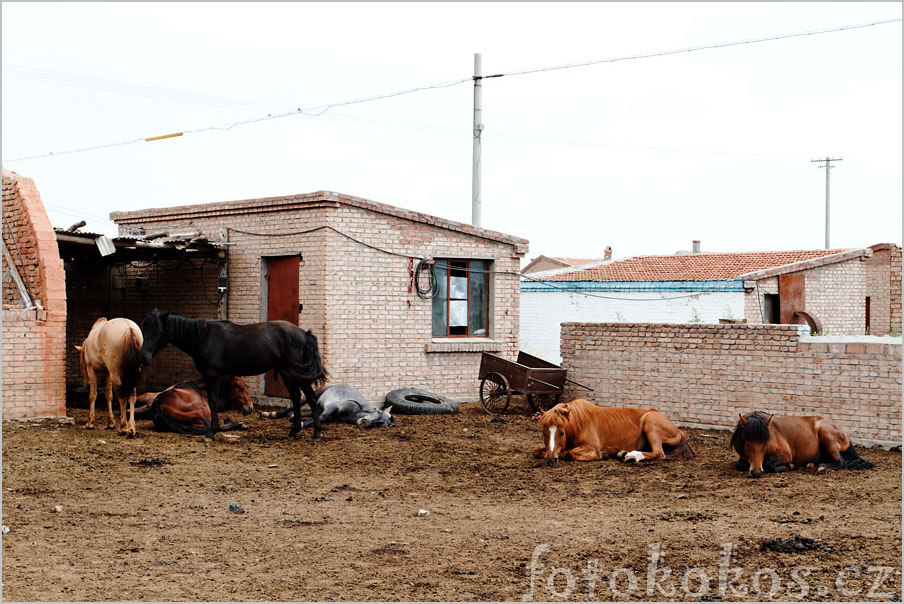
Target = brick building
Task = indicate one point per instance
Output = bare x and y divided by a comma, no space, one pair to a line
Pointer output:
34,306
345,268
837,292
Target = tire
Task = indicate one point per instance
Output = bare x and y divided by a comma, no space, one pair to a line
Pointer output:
411,401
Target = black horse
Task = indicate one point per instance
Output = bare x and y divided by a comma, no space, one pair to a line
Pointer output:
222,350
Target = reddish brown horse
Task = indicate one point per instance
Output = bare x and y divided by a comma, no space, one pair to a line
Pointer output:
582,431
769,443
183,408
112,349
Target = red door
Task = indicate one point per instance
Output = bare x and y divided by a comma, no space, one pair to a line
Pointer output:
282,305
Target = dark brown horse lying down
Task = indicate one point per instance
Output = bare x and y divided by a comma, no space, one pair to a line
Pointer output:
582,431
770,443
183,408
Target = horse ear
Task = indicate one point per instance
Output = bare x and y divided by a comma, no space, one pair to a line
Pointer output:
565,410
164,316
77,347
769,421
743,419
388,410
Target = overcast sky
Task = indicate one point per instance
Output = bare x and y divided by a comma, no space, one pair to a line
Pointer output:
644,154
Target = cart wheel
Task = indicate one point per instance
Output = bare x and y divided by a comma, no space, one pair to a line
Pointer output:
495,394
543,402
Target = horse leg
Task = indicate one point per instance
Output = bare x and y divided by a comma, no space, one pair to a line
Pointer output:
212,382
830,445
742,465
316,409
130,429
656,436
539,452
108,392
92,396
582,453
295,395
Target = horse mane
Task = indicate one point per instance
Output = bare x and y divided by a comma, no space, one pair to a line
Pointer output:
755,430
186,330
574,415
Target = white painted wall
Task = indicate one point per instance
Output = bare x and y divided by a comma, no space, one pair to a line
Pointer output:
542,313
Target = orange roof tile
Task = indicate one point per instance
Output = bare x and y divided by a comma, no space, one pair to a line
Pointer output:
690,267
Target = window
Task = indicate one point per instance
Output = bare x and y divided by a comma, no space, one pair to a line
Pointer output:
461,306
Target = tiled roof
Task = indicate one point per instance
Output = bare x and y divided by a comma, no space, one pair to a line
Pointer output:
690,267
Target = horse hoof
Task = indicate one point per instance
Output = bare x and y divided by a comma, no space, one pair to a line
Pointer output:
294,434
621,454
89,426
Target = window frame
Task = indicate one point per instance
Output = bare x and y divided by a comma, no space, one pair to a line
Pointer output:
448,290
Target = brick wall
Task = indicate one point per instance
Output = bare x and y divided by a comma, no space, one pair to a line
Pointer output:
372,332
895,291
878,275
33,339
707,374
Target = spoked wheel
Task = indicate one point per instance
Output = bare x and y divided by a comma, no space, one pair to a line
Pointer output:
543,402
495,394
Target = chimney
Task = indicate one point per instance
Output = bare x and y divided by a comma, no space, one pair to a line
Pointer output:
696,246
607,255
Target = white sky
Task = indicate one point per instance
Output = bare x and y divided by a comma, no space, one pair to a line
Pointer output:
643,155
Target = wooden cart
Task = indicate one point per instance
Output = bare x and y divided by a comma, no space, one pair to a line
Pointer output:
541,381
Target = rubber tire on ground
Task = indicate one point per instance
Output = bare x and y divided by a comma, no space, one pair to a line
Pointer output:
412,401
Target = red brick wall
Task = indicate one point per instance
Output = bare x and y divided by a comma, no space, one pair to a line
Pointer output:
707,374
33,339
372,332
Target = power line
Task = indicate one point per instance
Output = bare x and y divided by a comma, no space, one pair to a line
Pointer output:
321,109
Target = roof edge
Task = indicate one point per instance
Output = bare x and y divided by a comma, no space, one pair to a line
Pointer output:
265,203
806,264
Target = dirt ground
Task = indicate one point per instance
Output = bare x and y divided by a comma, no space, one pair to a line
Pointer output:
149,518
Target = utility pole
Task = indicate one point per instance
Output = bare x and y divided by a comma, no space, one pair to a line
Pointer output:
478,130
828,166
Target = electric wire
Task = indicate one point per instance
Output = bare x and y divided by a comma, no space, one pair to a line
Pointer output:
433,287
321,109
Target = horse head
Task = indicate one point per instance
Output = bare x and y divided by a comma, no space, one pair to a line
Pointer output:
380,418
238,396
154,332
553,424
750,438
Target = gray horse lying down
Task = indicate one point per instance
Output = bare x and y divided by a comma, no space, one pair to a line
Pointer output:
343,403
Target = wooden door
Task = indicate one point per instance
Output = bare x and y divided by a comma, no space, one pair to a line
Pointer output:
282,305
792,295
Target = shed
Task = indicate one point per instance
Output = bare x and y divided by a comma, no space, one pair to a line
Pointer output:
350,270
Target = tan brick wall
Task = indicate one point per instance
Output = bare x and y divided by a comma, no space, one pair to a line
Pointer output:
707,374
835,294
878,275
34,340
894,297
372,332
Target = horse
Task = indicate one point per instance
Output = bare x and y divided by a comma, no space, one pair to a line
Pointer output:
222,350
769,443
581,431
343,403
112,348
182,408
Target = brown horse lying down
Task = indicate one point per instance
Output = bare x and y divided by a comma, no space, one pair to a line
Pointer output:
582,431
183,408
768,443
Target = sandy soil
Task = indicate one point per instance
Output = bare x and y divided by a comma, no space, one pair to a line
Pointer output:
149,518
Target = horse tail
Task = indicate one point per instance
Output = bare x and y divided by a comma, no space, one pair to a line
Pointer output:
851,460
309,366
130,363
682,451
